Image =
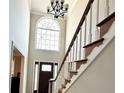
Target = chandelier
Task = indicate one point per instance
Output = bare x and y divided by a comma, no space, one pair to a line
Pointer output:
58,8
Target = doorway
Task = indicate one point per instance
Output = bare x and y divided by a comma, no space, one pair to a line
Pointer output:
44,71
16,74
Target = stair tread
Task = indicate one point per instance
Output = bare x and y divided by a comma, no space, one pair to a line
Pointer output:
63,86
68,80
106,19
81,60
73,71
95,42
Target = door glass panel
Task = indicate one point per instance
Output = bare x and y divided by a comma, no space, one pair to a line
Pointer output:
46,67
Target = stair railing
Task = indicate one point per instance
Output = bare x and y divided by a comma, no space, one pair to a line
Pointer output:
86,34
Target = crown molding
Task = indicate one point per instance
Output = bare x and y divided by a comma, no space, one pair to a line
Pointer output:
38,13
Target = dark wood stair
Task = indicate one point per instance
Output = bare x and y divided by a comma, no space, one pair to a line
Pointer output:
63,86
67,81
106,24
72,73
80,62
92,45
60,90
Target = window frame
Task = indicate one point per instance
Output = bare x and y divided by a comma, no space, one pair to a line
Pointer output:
36,27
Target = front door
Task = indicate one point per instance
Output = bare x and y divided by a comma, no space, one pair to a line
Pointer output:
45,73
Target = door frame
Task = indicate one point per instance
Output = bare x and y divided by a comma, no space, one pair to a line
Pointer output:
39,61
13,46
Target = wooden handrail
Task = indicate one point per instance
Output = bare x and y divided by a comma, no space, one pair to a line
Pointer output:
75,35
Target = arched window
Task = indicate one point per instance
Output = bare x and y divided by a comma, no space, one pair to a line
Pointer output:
47,34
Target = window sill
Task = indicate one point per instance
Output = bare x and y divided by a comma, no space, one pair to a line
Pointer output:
47,50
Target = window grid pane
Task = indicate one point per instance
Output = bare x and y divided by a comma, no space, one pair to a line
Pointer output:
47,39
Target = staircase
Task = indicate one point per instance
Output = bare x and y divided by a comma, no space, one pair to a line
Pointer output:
84,47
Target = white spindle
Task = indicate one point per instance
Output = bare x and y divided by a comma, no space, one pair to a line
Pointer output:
85,31
90,29
76,48
107,7
73,51
80,43
111,6
97,20
70,56
85,36
71,66
88,32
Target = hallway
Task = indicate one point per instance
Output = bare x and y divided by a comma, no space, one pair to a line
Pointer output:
71,51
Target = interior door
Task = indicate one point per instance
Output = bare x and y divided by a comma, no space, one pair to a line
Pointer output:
45,73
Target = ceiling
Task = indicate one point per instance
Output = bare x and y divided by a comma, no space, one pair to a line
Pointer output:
39,6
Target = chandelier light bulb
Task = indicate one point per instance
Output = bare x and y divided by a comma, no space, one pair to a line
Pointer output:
48,8
62,2
66,7
57,1
52,1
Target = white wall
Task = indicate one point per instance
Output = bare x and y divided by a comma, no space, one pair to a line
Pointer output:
43,55
99,77
19,30
19,24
